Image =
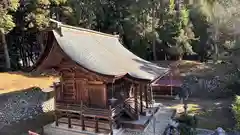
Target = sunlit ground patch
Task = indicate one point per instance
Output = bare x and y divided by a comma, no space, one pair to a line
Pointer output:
17,81
191,108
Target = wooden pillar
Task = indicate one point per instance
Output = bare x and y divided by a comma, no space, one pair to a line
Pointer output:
83,124
55,94
56,118
105,95
141,98
111,129
96,125
69,121
146,95
55,98
62,87
110,120
75,87
82,117
136,89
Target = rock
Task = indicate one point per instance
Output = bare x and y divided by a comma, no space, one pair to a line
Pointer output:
219,131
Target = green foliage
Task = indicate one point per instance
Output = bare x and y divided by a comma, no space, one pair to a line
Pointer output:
176,31
58,2
192,29
189,120
236,110
187,125
6,20
38,13
14,4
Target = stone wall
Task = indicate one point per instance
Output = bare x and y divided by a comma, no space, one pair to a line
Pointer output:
23,105
210,86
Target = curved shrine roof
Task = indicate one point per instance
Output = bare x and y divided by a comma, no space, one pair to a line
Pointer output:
104,54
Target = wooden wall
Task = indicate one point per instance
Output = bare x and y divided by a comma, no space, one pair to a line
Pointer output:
77,87
78,84
97,95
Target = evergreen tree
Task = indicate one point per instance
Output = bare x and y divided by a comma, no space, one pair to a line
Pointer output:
7,24
175,30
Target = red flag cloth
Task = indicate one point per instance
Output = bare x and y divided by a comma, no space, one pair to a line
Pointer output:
32,133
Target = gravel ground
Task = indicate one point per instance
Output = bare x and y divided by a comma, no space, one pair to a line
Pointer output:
15,107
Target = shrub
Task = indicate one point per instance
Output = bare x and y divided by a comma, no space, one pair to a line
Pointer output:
236,110
232,88
187,124
189,120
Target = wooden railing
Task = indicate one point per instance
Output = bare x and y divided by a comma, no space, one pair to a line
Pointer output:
93,117
87,117
131,101
130,110
116,110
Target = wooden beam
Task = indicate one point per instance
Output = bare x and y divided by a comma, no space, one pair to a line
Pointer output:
95,82
136,81
131,80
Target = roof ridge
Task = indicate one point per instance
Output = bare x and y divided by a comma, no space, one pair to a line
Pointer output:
60,24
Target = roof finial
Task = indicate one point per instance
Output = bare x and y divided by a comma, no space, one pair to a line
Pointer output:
58,27
57,22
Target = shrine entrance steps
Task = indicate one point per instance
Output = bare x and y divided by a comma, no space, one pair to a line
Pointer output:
139,124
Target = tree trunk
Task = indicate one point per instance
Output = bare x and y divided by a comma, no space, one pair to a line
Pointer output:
40,40
180,57
153,30
216,46
216,52
5,47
